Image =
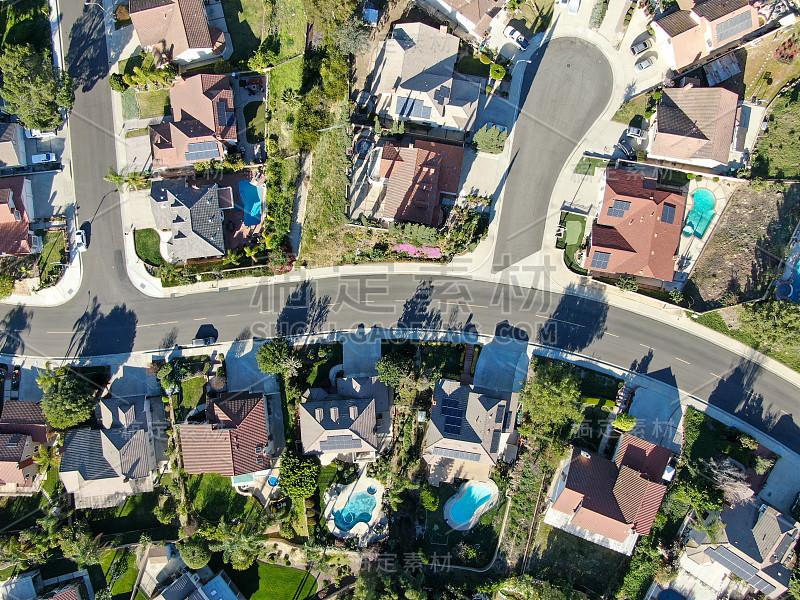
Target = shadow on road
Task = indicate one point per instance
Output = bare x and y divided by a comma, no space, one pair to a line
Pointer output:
87,58
303,312
417,312
575,323
98,333
13,326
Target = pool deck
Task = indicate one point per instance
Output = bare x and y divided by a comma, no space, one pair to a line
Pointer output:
689,248
337,498
489,504
237,234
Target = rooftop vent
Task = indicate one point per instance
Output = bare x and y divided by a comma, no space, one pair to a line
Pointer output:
585,454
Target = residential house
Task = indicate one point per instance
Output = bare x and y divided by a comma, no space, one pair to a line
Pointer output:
693,31
235,440
203,125
610,503
16,212
25,586
469,431
193,216
71,591
695,126
755,545
12,145
415,79
473,15
415,177
638,229
103,467
177,30
22,430
196,586
345,424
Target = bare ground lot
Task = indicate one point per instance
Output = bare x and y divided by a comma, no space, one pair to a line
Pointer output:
743,257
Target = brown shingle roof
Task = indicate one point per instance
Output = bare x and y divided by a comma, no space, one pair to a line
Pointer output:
716,9
24,416
676,23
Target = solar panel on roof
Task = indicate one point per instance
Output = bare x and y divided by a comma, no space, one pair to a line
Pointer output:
340,442
410,107
736,564
202,151
619,208
668,214
495,445
600,260
734,26
457,454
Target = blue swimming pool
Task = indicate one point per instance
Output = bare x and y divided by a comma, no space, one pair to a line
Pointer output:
357,510
251,202
702,213
474,497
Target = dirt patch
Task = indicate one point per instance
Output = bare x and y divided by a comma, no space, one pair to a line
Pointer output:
743,257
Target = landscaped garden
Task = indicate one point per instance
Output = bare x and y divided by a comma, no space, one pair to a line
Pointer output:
148,246
213,498
572,239
52,260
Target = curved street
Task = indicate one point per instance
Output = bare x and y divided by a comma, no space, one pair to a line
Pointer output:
108,315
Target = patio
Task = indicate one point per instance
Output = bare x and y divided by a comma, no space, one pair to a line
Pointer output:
344,504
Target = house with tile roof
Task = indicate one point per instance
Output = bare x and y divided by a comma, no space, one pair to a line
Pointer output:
193,217
22,430
235,440
203,127
755,545
693,31
638,229
102,467
24,416
25,586
177,30
414,178
16,212
468,432
695,126
474,16
415,79
71,591
344,423
200,585
12,145
610,502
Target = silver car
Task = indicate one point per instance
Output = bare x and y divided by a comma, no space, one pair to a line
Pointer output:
645,63
641,46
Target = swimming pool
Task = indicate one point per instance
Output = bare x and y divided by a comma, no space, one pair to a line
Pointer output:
789,284
470,500
251,200
702,213
357,510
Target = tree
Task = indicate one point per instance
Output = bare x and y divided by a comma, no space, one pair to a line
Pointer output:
490,139
700,494
126,180
393,367
497,71
117,82
263,58
328,15
794,583
373,584
194,552
32,89
762,464
351,37
551,398
78,544
240,544
298,476
166,511
676,296
773,323
69,397
628,284
6,285
624,422
47,457
335,72
277,357
428,498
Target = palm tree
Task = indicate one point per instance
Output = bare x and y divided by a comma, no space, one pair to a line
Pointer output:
232,258
240,545
291,366
251,252
47,457
49,377
124,180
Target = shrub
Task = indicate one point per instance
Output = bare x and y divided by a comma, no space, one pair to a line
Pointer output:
490,139
676,296
428,498
194,552
762,464
485,59
627,284
117,82
690,176
497,71
122,13
624,422
748,442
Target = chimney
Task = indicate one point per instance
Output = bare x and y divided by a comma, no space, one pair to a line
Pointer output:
442,28
334,413
318,414
354,412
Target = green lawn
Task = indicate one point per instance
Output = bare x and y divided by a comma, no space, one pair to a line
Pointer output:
213,497
121,588
137,132
246,20
130,107
289,23
147,243
22,508
326,477
587,164
255,115
53,253
136,514
193,392
472,65
272,582
778,149
630,110
591,429
286,77
153,104
575,226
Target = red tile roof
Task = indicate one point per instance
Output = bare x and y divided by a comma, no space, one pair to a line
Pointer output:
15,236
206,450
640,241
171,27
640,455
415,179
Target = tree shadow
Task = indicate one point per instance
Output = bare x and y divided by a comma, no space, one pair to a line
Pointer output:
13,326
303,312
87,57
641,366
417,312
98,333
575,323
169,339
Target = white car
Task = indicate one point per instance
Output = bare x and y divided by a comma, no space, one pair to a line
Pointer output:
637,133
35,134
47,157
516,37
80,240
644,63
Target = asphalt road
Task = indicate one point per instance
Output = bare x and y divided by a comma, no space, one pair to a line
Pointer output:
570,84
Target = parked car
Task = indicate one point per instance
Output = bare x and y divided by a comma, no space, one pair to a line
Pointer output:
645,63
641,46
636,133
516,37
35,134
80,240
206,341
574,7
626,149
47,157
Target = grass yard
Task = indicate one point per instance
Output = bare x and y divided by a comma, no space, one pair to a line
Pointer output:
130,107
136,514
631,110
53,255
288,22
587,164
590,431
193,392
24,509
560,556
764,76
121,588
777,153
153,104
575,228
327,475
472,65
288,76
147,243
273,582
213,497
246,20
255,115
131,133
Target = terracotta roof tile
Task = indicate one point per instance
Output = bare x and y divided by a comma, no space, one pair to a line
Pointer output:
642,456
206,450
716,9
